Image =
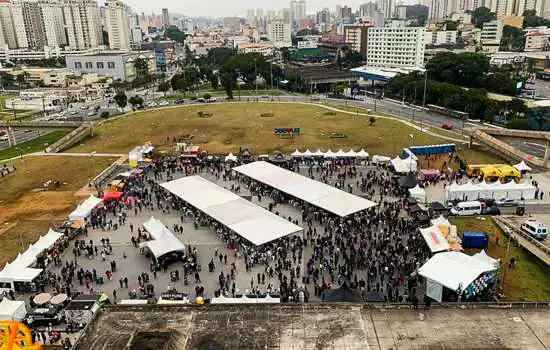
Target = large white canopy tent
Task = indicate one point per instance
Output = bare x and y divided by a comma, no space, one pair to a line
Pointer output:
20,269
453,270
245,300
418,193
12,310
403,166
254,223
495,190
435,239
85,209
163,242
313,192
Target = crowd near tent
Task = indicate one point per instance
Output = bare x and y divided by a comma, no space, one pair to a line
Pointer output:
250,221
12,310
138,154
418,193
408,181
376,159
20,270
342,294
494,190
403,166
460,273
313,192
163,242
252,299
85,209
522,167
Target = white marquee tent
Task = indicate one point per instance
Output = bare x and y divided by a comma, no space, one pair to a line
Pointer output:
495,190
362,153
85,209
482,255
454,269
297,154
314,192
403,166
435,239
230,158
521,166
245,300
252,222
418,193
440,221
12,310
163,242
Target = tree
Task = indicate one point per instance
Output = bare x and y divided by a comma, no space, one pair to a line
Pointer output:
164,87
513,39
482,15
530,19
228,77
286,55
207,96
352,59
121,99
372,120
142,67
135,101
175,34
339,89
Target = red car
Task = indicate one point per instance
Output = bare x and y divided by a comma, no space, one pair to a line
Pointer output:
447,126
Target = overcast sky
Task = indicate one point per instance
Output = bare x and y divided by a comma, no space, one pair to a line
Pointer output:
218,8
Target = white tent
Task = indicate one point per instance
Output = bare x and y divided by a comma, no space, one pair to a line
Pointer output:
521,166
47,241
330,154
362,154
12,310
351,153
418,193
230,158
435,239
403,165
307,153
440,221
454,269
85,209
319,153
482,255
163,241
341,153
296,154
245,300
380,159
495,190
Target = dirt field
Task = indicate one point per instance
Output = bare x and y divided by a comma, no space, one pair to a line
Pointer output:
242,125
27,209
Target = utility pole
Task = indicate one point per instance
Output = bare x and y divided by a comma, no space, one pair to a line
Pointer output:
271,71
13,109
256,78
425,83
403,103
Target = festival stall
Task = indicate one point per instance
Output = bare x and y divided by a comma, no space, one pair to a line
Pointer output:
139,155
496,190
246,299
112,196
362,154
85,209
522,167
163,240
453,276
482,255
230,158
12,310
428,174
297,154
418,193
382,160
441,238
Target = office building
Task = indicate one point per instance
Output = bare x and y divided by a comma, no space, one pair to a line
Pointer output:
395,47
345,13
537,39
231,24
401,12
293,12
323,17
117,26
165,18
250,16
278,33
7,30
491,33
440,37
82,24
387,7
356,37
301,12
119,66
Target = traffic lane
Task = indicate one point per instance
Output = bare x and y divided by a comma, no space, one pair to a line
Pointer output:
531,148
23,136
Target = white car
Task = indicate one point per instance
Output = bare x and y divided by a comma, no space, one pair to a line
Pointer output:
153,104
92,113
74,112
164,103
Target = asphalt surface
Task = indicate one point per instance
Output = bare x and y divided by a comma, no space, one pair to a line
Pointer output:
22,135
528,147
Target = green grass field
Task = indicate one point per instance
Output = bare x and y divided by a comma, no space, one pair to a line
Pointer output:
529,281
242,125
6,113
36,145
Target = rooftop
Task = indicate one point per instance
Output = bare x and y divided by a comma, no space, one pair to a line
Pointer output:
316,326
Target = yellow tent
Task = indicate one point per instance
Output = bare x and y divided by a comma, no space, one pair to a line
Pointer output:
490,171
509,171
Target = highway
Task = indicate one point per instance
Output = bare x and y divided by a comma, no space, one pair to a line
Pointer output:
24,136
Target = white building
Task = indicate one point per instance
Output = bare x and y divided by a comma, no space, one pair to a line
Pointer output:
537,39
491,33
279,33
440,37
7,30
395,47
387,7
117,26
82,24
301,11
37,23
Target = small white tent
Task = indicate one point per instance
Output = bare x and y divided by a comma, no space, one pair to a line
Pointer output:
402,166
12,310
521,166
362,154
230,158
85,209
330,154
307,153
418,193
296,154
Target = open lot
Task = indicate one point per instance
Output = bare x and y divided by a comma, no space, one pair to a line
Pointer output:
28,209
232,126
528,281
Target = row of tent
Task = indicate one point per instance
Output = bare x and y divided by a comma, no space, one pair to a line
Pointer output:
330,154
494,190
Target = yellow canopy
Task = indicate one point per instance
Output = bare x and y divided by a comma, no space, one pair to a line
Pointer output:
490,171
509,171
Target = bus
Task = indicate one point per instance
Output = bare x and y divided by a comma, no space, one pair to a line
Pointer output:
448,112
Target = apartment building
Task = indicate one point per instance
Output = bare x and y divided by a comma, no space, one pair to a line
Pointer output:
117,26
279,33
440,37
491,33
82,24
392,47
356,37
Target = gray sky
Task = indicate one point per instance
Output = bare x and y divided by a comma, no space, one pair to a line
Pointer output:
217,8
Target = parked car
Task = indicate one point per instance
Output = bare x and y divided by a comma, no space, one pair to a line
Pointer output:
506,202
493,210
179,101
164,103
447,126
92,113
44,316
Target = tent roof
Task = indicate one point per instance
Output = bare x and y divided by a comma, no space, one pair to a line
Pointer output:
12,309
452,269
441,221
330,154
314,192
417,190
296,153
404,165
435,239
482,255
362,153
164,241
521,166
408,181
248,220
84,209
112,195
307,153
230,157
318,153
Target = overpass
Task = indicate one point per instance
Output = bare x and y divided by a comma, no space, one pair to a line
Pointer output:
486,136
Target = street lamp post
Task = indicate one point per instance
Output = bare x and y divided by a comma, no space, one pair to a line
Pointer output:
403,103
256,78
425,83
271,71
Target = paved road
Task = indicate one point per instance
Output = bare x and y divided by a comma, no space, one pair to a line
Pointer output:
528,147
24,136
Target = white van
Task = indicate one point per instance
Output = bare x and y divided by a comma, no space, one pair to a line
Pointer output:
535,229
467,208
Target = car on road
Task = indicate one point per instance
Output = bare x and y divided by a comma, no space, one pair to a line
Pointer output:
164,103
447,126
493,210
506,202
179,101
152,104
75,112
315,97
4,138
535,229
92,113
265,96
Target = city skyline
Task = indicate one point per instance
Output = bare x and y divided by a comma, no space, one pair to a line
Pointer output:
219,8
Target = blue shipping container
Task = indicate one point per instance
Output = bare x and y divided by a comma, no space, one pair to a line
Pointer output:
478,240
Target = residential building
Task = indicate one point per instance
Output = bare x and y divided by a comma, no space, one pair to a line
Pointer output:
439,9
401,12
491,33
82,24
265,49
293,12
117,26
279,33
301,10
250,16
387,7
165,18
395,47
356,37
440,37
345,13
53,22
231,24
7,30
537,39
38,23
119,66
